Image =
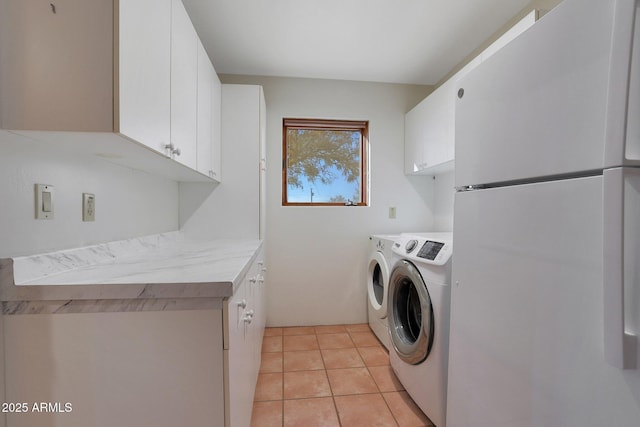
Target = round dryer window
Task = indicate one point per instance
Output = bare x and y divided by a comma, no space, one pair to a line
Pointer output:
410,313
378,279
378,283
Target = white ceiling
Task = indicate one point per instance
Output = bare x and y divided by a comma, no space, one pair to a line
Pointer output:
395,41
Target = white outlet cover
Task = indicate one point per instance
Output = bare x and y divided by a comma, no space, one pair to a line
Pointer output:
88,207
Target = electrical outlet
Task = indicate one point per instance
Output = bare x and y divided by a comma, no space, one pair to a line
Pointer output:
88,207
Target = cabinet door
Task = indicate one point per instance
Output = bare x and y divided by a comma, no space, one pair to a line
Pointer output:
216,127
241,382
255,328
144,81
260,304
146,368
413,137
205,118
429,132
438,125
184,82
209,110
262,190
237,203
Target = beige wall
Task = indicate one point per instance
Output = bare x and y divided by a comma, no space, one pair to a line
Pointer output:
129,203
316,256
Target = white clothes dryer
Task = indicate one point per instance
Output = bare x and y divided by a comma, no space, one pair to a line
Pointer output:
378,271
418,315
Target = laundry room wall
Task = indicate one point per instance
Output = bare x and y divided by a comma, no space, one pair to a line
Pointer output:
317,255
129,203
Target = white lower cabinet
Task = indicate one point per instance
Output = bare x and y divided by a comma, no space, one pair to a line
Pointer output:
161,369
245,315
131,369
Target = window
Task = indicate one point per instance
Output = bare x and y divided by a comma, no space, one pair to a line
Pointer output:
324,162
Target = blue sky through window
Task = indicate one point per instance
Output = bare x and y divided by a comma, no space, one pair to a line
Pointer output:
322,193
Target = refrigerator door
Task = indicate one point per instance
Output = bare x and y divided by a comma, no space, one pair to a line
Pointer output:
526,346
549,102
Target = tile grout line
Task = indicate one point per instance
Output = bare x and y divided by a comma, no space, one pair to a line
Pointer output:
325,369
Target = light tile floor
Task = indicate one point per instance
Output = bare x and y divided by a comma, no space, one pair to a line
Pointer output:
326,376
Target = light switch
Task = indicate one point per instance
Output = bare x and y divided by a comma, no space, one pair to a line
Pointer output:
44,201
392,212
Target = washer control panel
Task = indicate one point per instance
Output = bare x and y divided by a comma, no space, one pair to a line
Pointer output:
430,248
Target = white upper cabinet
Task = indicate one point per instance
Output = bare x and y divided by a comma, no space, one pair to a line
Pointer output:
429,132
238,206
429,138
208,125
143,112
184,85
111,78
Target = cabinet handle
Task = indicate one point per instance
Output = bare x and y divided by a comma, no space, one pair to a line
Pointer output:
242,304
168,149
248,318
171,150
253,280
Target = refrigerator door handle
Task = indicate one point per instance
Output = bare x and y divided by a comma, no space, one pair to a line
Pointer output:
620,339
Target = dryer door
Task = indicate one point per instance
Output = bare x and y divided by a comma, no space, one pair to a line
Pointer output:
377,284
410,312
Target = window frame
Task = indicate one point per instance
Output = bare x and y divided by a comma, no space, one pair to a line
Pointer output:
329,124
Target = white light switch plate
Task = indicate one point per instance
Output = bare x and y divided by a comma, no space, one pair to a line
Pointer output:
44,201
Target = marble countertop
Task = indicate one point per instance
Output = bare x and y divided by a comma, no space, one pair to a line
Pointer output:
164,271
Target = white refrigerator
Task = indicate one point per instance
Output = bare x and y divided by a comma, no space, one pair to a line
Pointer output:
545,305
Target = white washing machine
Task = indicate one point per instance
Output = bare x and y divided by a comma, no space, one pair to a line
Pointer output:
378,271
418,315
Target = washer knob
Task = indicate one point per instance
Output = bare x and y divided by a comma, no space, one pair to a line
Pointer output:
411,245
